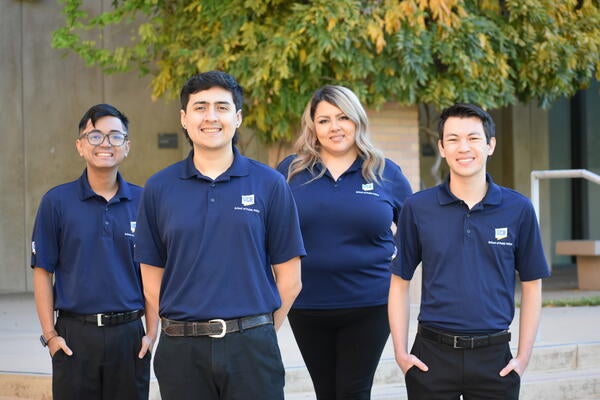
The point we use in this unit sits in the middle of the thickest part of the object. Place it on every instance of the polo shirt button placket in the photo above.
(211, 198)
(212, 205)
(106, 220)
(467, 223)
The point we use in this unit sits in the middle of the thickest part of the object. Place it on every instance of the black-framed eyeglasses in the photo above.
(96, 138)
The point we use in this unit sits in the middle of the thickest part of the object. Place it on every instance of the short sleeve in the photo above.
(149, 248)
(45, 245)
(530, 259)
(408, 245)
(400, 189)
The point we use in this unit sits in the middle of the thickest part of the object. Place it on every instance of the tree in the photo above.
(490, 52)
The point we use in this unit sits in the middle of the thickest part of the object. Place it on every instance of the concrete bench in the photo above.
(587, 253)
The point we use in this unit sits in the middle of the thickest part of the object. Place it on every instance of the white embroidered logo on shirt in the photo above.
(33, 247)
(501, 233)
(367, 188)
(248, 200)
(132, 226)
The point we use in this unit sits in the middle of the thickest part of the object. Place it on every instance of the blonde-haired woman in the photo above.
(348, 196)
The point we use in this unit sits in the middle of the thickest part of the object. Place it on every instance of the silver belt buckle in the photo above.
(223, 328)
(99, 319)
(457, 338)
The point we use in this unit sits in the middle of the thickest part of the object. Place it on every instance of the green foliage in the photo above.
(493, 53)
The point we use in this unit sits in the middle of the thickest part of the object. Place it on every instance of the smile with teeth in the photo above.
(465, 160)
(211, 130)
(104, 154)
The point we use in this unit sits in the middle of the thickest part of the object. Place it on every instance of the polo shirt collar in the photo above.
(356, 166)
(239, 167)
(493, 195)
(86, 192)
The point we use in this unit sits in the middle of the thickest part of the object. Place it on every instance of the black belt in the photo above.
(104, 319)
(464, 341)
(216, 328)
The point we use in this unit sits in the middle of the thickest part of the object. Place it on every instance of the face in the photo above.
(211, 119)
(335, 131)
(104, 155)
(464, 146)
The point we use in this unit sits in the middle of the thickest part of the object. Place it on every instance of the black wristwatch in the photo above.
(44, 341)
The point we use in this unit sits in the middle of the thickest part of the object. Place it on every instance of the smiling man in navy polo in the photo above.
(83, 237)
(472, 238)
(220, 245)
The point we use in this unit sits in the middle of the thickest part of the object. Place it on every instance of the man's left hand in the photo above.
(513, 365)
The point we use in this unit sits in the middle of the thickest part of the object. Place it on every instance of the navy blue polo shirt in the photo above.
(470, 257)
(217, 239)
(87, 243)
(346, 226)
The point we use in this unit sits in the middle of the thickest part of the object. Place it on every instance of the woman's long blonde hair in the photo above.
(307, 146)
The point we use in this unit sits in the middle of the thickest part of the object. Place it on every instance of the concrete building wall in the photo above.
(44, 94)
(560, 201)
(592, 134)
(523, 146)
(531, 152)
(12, 177)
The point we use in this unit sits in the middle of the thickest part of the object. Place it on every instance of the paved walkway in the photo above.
(21, 352)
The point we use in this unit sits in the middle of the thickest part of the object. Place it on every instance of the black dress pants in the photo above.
(239, 366)
(472, 373)
(341, 348)
(104, 364)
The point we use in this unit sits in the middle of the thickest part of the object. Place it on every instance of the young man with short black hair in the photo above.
(83, 238)
(472, 237)
(219, 244)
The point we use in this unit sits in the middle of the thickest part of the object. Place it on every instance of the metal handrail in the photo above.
(553, 174)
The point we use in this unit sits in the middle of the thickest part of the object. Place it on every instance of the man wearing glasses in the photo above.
(83, 237)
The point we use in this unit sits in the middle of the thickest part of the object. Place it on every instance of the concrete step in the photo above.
(554, 385)
(566, 357)
(16, 386)
(580, 384)
(561, 372)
